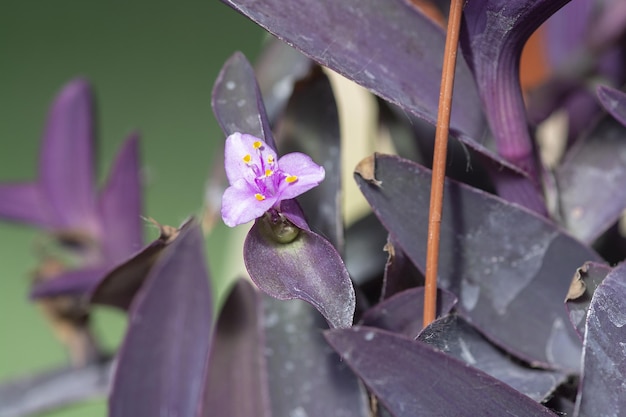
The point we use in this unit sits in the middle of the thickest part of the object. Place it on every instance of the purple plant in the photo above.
(531, 315)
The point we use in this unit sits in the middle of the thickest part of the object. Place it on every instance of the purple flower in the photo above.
(259, 181)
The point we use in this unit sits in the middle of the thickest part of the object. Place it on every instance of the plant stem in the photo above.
(439, 160)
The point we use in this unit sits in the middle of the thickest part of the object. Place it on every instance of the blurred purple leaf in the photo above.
(492, 38)
(584, 284)
(500, 270)
(601, 389)
(272, 354)
(565, 32)
(404, 312)
(455, 337)
(410, 378)
(598, 158)
(304, 266)
(310, 125)
(400, 273)
(277, 69)
(162, 359)
(379, 44)
(364, 255)
(237, 101)
(613, 101)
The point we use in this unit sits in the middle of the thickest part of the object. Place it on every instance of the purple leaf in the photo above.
(287, 262)
(404, 312)
(613, 101)
(601, 389)
(565, 31)
(310, 125)
(413, 379)
(379, 44)
(24, 202)
(73, 282)
(493, 35)
(162, 360)
(586, 209)
(236, 362)
(364, 255)
(272, 354)
(400, 273)
(584, 284)
(500, 260)
(120, 204)
(237, 101)
(457, 338)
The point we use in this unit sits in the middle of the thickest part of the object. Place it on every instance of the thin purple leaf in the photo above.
(286, 262)
(310, 125)
(236, 363)
(500, 260)
(162, 359)
(586, 209)
(272, 354)
(587, 278)
(73, 282)
(24, 202)
(237, 101)
(379, 44)
(601, 389)
(404, 312)
(493, 35)
(120, 204)
(410, 378)
(457, 338)
(67, 158)
(613, 101)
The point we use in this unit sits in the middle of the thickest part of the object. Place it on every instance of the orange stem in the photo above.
(439, 160)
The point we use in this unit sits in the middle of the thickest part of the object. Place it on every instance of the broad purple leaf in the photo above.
(272, 355)
(613, 101)
(287, 262)
(76, 282)
(236, 363)
(599, 158)
(277, 69)
(601, 389)
(310, 125)
(162, 360)
(493, 35)
(404, 312)
(237, 101)
(410, 378)
(383, 45)
(584, 284)
(502, 261)
(120, 205)
(457, 338)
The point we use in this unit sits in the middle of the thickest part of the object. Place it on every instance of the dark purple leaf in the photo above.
(584, 284)
(237, 101)
(310, 125)
(614, 102)
(236, 363)
(287, 262)
(411, 379)
(161, 362)
(601, 389)
(272, 355)
(120, 204)
(599, 158)
(365, 242)
(76, 282)
(493, 35)
(277, 69)
(380, 44)
(404, 312)
(457, 338)
(502, 261)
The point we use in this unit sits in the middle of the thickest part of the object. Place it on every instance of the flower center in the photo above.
(267, 174)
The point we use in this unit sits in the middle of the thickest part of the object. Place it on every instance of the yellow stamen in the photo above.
(269, 172)
(291, 178)
(259, 197)
(247, 158)
(257, 144)
(270, 159)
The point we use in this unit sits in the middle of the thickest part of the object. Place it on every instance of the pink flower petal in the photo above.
(239, 204)
(237, 146)
(309, 174)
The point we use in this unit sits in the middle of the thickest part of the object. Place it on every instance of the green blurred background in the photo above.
(152, 65)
